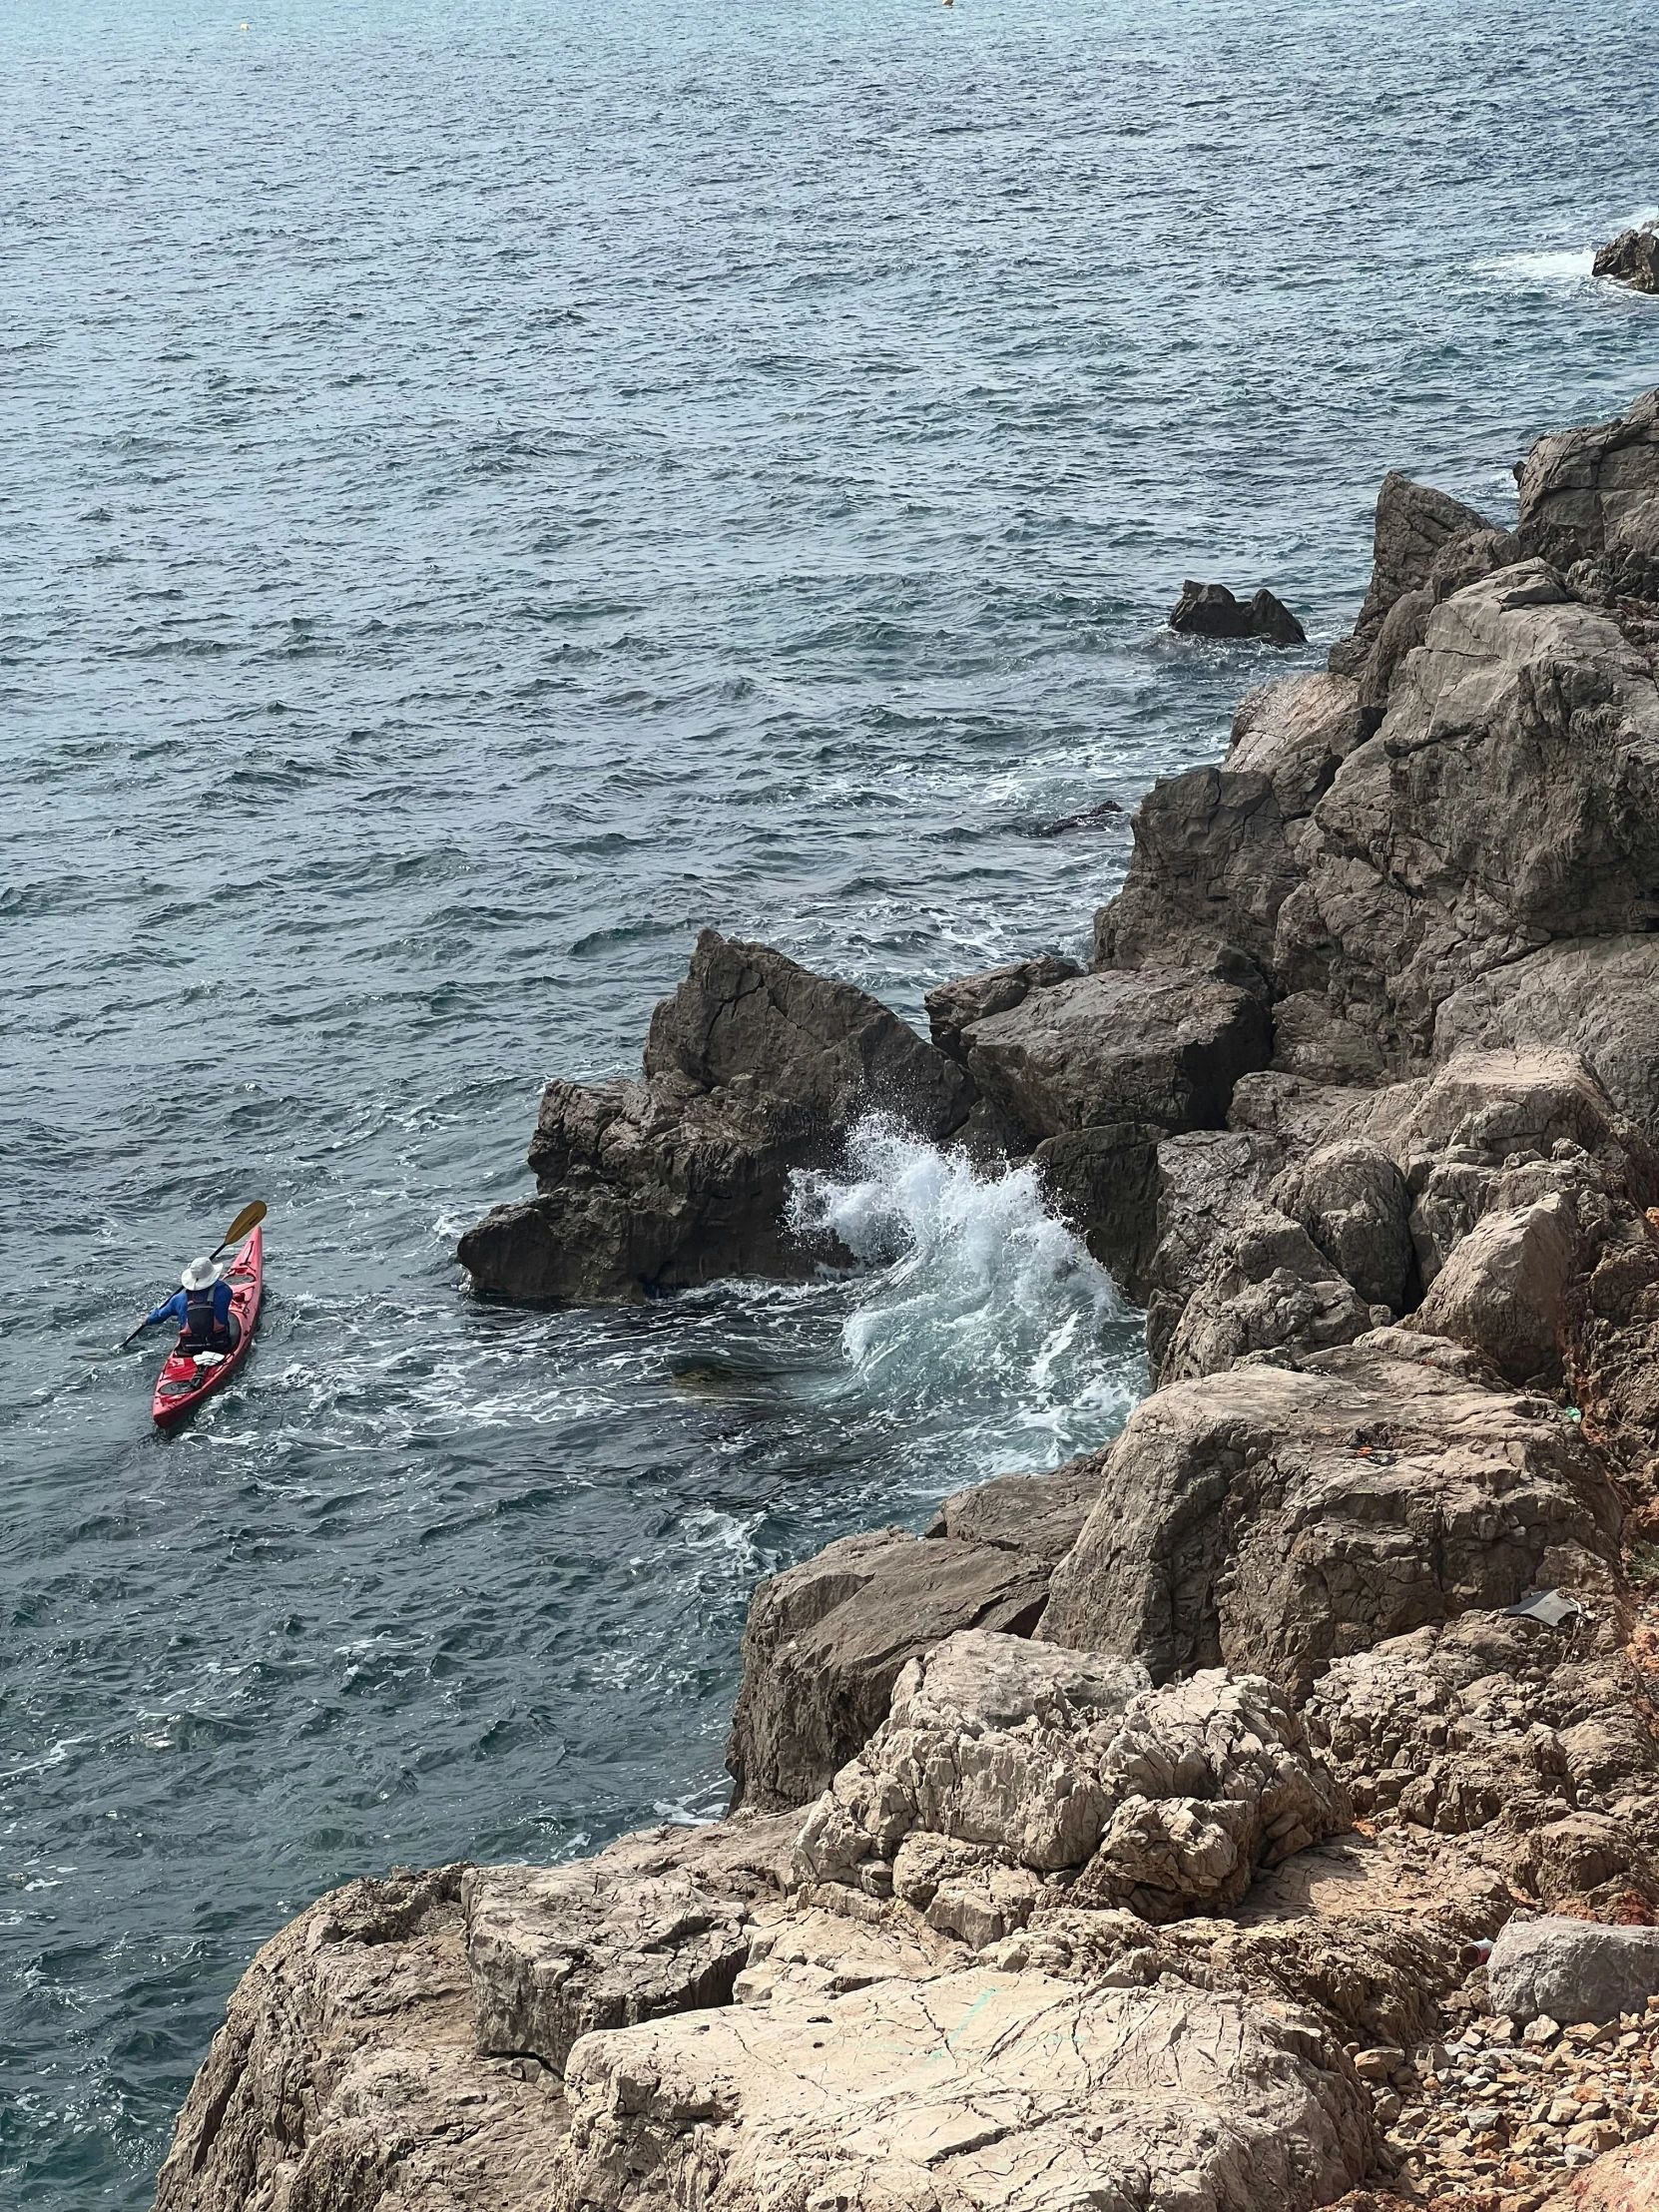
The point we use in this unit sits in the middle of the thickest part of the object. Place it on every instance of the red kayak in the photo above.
(189, 1377)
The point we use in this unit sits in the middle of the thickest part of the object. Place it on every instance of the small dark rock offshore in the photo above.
(1631, 258)
(1211, 611)
(1091, 817)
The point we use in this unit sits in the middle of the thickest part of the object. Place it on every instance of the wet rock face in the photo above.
(1631, 258)
(1211, 611)
(1288, 1517)
(755, 1068)
(972, 2089)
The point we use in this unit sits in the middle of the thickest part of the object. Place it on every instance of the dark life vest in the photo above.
(202, 1327)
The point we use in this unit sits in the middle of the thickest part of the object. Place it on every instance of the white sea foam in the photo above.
(976, 1292)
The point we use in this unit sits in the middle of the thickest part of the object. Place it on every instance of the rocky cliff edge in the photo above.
(1265, 1810)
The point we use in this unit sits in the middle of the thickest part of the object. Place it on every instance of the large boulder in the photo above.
(978, 2091)
(1631, 258)
(1503, 1289)
(1273, 1519)
(754, 1069)
(1596, 996)
(1211, 611)
(1572, 1970)
(1269, 1288)
(826, 1640)
(344, 2076)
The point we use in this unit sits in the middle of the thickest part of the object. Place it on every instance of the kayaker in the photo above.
(202, 1307)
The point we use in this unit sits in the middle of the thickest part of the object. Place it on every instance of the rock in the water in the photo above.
(754, 1069)
(1211, 611)
(345, 2078)
(971, 2090)
(662, 1922)
(1104, 817)
(825, 1641)
(1572, 1970)
(1271, 1519)
(1631, 258)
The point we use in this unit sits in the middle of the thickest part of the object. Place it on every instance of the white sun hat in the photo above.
(200, 1274)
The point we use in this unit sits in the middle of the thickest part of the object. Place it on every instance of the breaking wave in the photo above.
(976, 1294)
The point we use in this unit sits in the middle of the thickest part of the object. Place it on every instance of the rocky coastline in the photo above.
(1262, 1810)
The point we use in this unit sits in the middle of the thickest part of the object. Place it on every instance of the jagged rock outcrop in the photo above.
(345, 2077)
(1589, 503)
(1288, 1516)
(754, 1069)
(974, 2089)
(1631, 258)
(1047, 1763)
(1537, 1743)
(1361, 1093)
(825, 1641)
(1211, 611)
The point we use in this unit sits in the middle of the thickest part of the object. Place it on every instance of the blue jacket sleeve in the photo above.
(221, 1301)
(173, 1309)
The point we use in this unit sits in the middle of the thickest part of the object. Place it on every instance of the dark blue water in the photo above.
(488, 489)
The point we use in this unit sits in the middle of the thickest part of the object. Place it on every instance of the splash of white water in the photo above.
(976, 1294)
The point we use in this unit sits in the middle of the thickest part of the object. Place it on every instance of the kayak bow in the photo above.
(189, 1377)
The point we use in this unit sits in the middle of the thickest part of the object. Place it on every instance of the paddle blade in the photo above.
(250, 1218)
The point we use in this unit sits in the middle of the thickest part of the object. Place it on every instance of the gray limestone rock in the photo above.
(825, 1641)
(662, 1922)
(1503, 1289)
(1296, 733)
(1351, 1200)
(1269, 1289)
(754, 1069)
(1589, 498)
(1273, 1519)
(979, 2090)
(344, 2078)
(1596, 996)
(953, 1008)
(1572, 1970)
(1040, 1515)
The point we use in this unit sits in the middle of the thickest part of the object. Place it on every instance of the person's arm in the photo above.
(173, 1309)
(222, 1304)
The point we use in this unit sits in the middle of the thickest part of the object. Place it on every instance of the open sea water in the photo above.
(488, 489)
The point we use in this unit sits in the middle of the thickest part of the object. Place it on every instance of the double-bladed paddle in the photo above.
(250, 1218)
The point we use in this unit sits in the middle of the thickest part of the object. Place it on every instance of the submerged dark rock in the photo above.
(1631, 258)
(1091, 817)
(1211, 611)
